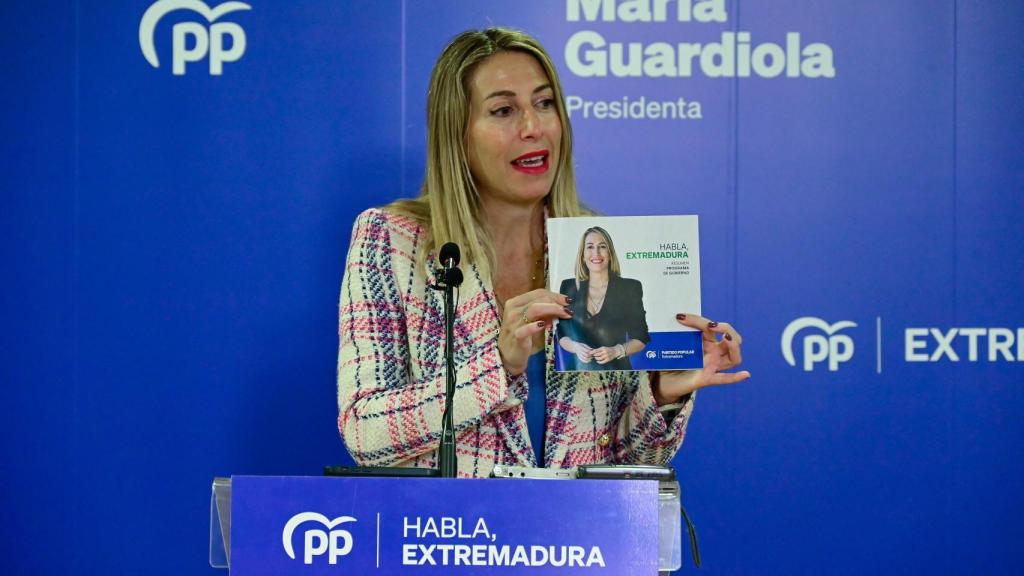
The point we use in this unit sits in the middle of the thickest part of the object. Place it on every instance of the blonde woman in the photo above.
(609, 323)
(499, 159)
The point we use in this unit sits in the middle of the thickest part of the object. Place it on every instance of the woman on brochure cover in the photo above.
(608, 322)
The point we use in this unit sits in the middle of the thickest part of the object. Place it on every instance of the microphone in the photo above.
(450, 255)
(449, 258)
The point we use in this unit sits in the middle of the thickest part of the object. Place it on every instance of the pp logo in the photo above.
(830, 346)
(651, 354)
(202, 42)
(316, 542)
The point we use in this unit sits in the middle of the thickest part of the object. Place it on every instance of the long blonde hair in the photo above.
(449, 201)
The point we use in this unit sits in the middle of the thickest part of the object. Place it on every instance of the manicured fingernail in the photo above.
(680, 316)
(728, 336)
(568, 300)
(712, 324)
(540, 323)
(567, 310)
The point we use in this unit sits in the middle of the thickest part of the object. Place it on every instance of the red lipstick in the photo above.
(535, 162)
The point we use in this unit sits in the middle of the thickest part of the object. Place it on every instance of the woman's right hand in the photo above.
(526, 316)
(583, 352)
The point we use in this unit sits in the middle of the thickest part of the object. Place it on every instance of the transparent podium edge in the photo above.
(220, 523)
(670, 547)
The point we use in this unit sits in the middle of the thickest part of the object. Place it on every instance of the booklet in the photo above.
(627, 277)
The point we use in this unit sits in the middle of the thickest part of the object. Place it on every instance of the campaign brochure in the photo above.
(628, 278)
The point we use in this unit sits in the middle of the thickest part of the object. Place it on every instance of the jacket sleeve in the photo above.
(634, 315)
(387, 417)
(568, 327)
(647, 433)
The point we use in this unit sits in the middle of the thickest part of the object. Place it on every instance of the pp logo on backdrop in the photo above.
(316, 542)
(193, 41)
(829, 346)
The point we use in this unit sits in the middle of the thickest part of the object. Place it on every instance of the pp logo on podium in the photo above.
(334, 542)
(830, 347)
(193, 41)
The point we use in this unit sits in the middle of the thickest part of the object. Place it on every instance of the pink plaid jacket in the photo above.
(391, 374)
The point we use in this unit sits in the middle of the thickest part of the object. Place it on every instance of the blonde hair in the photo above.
(449, 201)
(582, 272)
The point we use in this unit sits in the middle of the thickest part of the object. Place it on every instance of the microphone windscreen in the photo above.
(454, 278)
(450, 251)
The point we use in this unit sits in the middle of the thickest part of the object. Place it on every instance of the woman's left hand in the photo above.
(721, 352)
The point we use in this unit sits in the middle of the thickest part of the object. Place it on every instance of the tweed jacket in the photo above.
(391, 374)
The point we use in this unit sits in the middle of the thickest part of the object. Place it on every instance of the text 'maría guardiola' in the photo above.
(734, 54)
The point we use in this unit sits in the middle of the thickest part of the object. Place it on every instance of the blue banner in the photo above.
(670, 351)
(180, 183)
(293, 525)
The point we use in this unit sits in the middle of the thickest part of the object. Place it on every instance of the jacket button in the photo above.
(604, 440)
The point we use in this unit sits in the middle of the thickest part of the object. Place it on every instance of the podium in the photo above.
(285, 525)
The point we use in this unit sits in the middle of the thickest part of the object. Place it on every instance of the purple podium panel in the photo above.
(317, 525)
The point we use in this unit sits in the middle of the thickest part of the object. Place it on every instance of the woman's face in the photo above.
(512, 142)
(595, 252)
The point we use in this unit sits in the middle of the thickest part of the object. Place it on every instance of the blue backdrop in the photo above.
(174, 243)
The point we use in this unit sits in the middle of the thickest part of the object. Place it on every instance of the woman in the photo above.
(499, 159)
(609, 323)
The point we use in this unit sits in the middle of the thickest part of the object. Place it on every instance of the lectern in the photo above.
(283, 525)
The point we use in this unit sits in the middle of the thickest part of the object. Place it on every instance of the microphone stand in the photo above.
(447, 459)
(451, 278)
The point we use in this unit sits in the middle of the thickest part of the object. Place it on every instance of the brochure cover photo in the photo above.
(628, 277)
